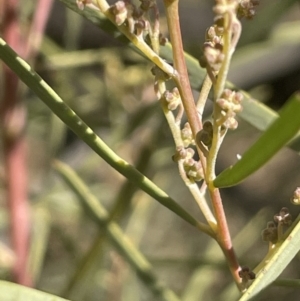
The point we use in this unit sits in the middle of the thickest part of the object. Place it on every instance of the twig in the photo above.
(69, 117)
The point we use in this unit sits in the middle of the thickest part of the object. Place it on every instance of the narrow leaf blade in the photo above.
(275, 262)
(276, 136)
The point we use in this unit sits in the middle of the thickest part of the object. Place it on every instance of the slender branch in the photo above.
(206, 87)
(37, 28)
(191, 185)
(69, 117)
(174, 124)
(199, 198)
(227, 51)
(182, 80)
(13, 119)
(223, 236)
(230, 37)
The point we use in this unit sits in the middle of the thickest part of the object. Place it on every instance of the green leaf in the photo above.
(275, 262)
(276, 136)
(14, 292)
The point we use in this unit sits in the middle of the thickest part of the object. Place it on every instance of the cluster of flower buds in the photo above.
(246, 8)
(230, 104)
(125, 11)
(192, 168)
(162, 40)
(273, 232)
(160, 74)
(296, 197)
(172, 99)
(213, 56)
(270, 234)
(187, 135)
(246, 275)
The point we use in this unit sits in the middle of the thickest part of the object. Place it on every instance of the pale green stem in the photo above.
(206, 87)
(227, 51)
(69, 117)
(223, 234)
(191, 185)
(199, 197)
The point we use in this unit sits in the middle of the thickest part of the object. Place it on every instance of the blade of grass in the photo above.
(14, 292)
(270, 142)
(69, 117)
(114, 232)
(275, 262)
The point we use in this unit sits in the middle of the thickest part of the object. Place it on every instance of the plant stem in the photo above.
(223, 235)
(205, 89)
(184, 87)
(199, 198)
(182, 78)
(13, 119)
(69, 117)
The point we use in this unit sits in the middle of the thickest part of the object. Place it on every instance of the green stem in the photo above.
(222, 74)
(191, 185)
(223, 234)
(69, 117)
(206, 86)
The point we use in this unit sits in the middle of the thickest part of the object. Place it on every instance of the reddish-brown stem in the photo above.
(13, 118)
(223, 235)
(15, 157)
(13, 122)
(182, 79)
(183, 83)
(37, 28)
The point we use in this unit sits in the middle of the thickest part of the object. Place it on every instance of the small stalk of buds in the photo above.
(274, 231)
(247, 276)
